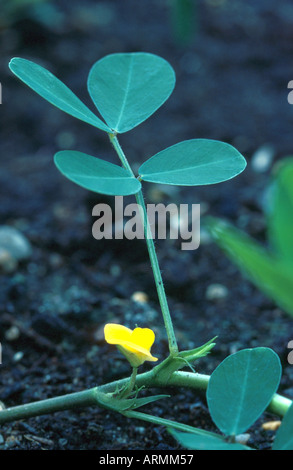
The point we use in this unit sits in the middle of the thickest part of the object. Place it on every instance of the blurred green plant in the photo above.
(269, 268)
(127, 89)
(184, 19)
(44, 12)
(13, 10)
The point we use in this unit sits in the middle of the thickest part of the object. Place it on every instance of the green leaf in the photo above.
(192, 163)
(205, 441)
(128, 88)
(269, 274)
(95, 174)
(53, 90)
(182, 359)
(202, 351)
(241, 388)
(168, 423)
(284, 436)
(280, 217)
(125, 405)
(138, 402)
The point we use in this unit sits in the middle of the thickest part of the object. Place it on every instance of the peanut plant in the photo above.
(127, 88)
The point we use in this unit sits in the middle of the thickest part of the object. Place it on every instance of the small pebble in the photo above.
(18, 356)
(262, 159)
(271, 425)
(8, 264)
(12, 333)
(242, 438)
(13, 241)
(140, 297)
(216, 292)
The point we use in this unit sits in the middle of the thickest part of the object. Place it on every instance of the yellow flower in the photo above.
(134, 344)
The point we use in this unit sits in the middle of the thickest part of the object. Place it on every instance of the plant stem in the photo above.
(173, 348)
(129, 387)
(51, 405)
(279, 405)
(93, 397)
(120, 153)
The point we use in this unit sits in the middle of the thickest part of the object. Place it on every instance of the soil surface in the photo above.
(232, 78)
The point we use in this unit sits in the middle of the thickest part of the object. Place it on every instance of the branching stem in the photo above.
(94, 397)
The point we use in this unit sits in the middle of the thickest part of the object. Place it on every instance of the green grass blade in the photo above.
(280, 216)
(270, 274)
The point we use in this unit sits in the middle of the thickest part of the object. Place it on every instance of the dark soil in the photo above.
(232, 82)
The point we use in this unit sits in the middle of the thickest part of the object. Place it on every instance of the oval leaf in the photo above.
(53, 90)
(193, 162)
(95, 174)
(128, 88)
(284, 436)
(241, 388)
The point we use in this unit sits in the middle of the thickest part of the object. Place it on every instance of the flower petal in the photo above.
(134, 344)
(136, 358)
(115, 333)
(144, 337)
(136, 349)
